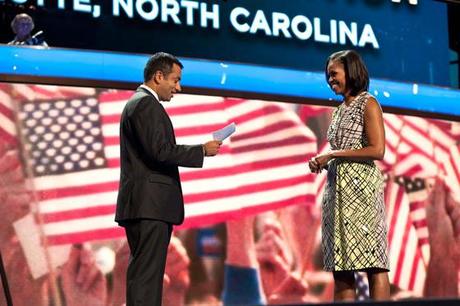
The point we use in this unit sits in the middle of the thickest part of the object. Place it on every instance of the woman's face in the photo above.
(337, 79)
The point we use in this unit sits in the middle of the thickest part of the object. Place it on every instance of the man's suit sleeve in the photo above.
(154, 131)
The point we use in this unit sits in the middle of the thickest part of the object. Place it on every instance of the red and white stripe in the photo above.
(7, 118)
(452, 172)
(309, 111)
(455, 129)
(410, 151)
(263, 166)
(407, 268)
(417, 211)
(23, 92)
(447, 154)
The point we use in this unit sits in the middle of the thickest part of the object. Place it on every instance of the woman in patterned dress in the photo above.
(353, 213)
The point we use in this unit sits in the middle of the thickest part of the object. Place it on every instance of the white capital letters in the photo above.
(280, 24)
(82, 5)
(147, 15)
(127, 7)
(296, 21)
(368, 36)
(170, 8)
(189, 7)
(344, 32)
(239, 11)
(212, 15)
(260, 23)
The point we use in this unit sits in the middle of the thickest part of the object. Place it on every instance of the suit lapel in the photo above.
(141, 89)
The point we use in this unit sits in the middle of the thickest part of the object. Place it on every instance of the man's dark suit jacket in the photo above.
(150, 186)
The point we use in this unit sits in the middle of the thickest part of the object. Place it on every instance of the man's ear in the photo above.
(158, 76)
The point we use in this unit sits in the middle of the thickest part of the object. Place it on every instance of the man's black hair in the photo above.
(160, 61)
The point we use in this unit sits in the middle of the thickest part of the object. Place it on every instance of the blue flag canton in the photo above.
(362, 286)
(414, 184)
(62, 136)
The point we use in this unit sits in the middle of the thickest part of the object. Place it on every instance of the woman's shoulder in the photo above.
(371, 100)
(368, 96)
(368, 100)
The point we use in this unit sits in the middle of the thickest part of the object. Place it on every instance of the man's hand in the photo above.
(211, 148)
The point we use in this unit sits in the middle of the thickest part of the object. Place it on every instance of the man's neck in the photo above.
(151, 90)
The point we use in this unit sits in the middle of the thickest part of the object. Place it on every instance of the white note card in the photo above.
(224, 132)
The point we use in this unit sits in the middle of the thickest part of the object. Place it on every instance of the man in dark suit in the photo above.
(150, 198)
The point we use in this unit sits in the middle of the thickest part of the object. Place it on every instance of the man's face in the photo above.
(170, 84)
(23, 27)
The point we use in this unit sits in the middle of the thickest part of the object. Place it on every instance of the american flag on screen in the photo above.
(11, 94)
(263, 166)
(417, 194)
(407, 269)
(409, 149)
(362, 286)
(64, 143)
(417, 149)
(72, 144)
(62, 136)
(447, 155)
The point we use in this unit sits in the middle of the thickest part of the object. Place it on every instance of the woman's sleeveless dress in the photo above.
(353, 212)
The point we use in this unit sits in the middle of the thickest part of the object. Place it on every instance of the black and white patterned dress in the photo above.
(353, 213)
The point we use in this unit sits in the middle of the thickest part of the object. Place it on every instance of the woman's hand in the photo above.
(319, 162)
(313, 165)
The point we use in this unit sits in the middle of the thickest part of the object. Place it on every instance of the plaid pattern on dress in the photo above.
(353, 228)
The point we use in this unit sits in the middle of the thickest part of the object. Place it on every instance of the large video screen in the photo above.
(257, 200)
(401, 40)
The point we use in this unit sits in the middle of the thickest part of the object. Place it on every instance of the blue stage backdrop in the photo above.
(124, 70)
(399, 41)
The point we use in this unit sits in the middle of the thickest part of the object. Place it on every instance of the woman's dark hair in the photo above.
(356, 74)
(160, 61)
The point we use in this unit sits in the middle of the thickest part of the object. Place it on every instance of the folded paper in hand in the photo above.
(223, 133)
